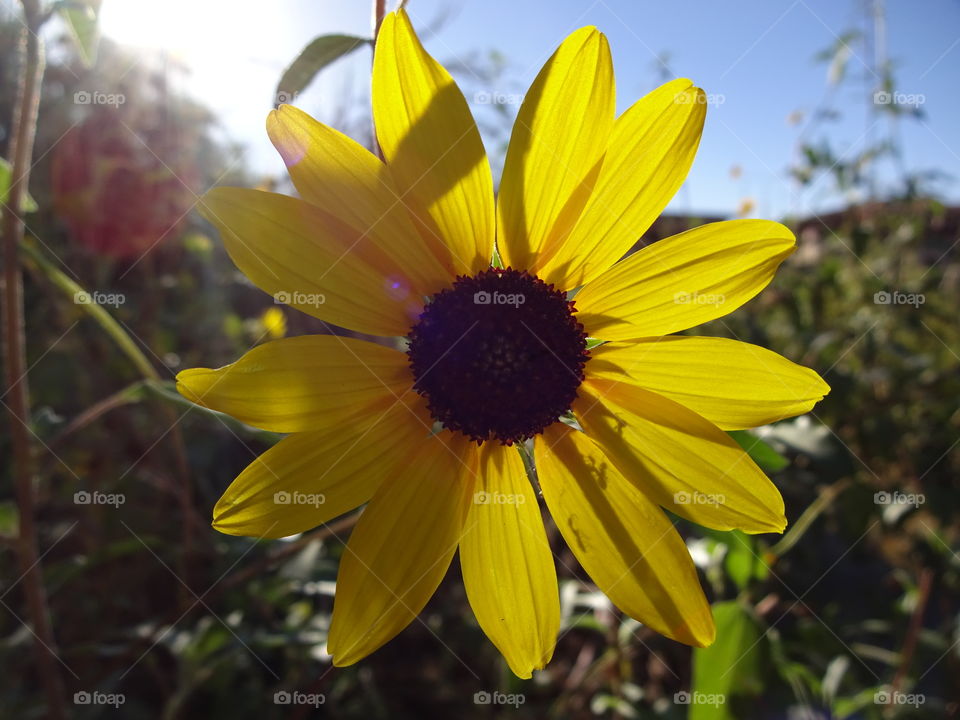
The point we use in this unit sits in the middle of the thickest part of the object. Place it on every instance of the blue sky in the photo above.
(754, 56)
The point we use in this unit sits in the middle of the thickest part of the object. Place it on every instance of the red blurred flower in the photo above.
(123, 181)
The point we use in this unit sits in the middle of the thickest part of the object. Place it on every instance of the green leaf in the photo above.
(744, 560)
(731, 666)
(315, 57)
(6, 177)
(82, 17)
(763, 455)
(739, 561)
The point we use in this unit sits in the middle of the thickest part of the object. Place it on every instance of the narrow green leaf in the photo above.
(731, 666)
(315, 57)
(81, 298)
(763, 455)
(82, 17)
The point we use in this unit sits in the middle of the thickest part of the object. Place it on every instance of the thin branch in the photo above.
(24, 128)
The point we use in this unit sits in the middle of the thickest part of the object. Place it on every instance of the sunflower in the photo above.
(627, 419)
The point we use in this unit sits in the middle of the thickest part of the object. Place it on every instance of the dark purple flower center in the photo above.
(498, 355)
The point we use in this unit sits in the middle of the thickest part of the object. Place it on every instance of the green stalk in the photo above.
(803, 523)
(105, 320)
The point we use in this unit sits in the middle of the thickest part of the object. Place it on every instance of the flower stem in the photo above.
(24, 128)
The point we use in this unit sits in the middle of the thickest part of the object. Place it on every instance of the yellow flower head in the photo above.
(405, 247)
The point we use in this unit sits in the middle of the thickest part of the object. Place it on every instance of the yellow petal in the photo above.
(684, 280)
(310, 478)
(433, 148)
(401, 547)
(622, 539)
(310, 260)
(733, 384)
(344, 179)
(301, 383)
(556, 149)
(507, 564)
(680, 460)
(651, 149)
